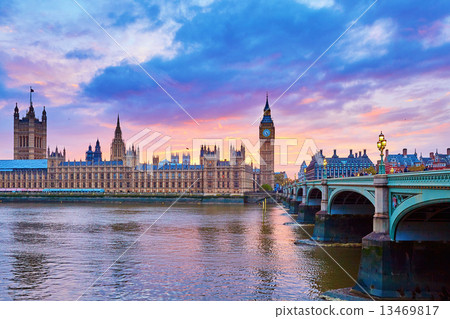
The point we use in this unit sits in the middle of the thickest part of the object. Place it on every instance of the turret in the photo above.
(97, 146)
(30, 113)
(44, 115)
(16, 112)
(56, 157)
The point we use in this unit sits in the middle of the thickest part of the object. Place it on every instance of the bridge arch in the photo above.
(314, 196)
(351, 201)
(421, 218)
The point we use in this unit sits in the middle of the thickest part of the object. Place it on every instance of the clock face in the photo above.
(266, 133)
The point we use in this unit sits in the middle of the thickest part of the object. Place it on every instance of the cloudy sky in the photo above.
(217, 59)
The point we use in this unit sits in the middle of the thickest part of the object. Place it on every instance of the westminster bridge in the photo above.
(402, 220)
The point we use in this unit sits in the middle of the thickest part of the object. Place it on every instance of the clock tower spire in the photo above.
(267, 146)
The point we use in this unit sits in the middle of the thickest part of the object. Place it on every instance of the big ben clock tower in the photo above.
(267, 147)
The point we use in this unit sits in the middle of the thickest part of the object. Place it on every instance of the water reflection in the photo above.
(333, 266)
(30, 272)
(56, 252)
(267, 275)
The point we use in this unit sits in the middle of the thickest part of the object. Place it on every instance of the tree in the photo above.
(416, 168)
(369, 170)
(266, 187)
(279, 179)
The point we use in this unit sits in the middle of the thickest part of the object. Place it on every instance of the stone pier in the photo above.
(341, 228)
(293, 206)
(307, 213)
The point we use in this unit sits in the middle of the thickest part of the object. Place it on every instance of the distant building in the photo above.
(436, 160)
(301, 172)
(337, 166)
(124, 173)
(395, 163)
(398, 163)
(30, 134)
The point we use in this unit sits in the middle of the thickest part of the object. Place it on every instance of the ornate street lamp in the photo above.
(381, 144)
(325, 168)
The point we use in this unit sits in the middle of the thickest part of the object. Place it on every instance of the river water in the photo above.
(192, 252)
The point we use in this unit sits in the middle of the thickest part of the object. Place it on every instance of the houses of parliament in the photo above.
(36, 168)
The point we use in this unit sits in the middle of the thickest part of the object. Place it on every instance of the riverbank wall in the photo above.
(121, 198)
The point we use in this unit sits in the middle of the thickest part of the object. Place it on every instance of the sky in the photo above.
(89, 61)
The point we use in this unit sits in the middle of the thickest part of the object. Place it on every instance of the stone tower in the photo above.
(267, 147)
(30, 134)
(118, 145)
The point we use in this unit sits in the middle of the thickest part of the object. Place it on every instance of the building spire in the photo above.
(31, 101)
(266, 107)
(16, 112)
(266, 115)
(118, 132)
(30, 113)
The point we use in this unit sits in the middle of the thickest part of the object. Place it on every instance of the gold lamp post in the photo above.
(325, 168)
(381, 144)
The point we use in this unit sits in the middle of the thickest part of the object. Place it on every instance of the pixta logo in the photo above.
(147, 142)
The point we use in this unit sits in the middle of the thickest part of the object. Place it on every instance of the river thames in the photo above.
(193, 252)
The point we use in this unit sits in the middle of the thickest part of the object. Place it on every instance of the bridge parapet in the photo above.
(438, 178)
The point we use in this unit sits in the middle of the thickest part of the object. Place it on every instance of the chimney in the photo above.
(351, 153)
(448, 151)
(432, 155)
(359, 153)
(387, 153)
(405, 152)
(365, 154)
(321, 152)
(334, 152)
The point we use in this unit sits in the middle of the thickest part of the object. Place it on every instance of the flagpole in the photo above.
(31, 90)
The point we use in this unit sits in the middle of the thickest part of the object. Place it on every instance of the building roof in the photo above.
(350, 160)
(267, 118)
(400, 159)
(10, 165)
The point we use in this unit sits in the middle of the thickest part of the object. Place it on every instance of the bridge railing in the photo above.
(366, 179)
(428, 178)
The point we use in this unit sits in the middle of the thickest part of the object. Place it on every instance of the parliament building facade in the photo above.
(36, 168)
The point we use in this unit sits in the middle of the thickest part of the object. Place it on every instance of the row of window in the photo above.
(98, 184)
